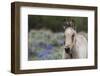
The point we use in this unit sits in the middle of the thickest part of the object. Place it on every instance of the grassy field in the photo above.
(45, 45)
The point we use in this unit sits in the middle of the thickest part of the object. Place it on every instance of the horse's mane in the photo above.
(84, 34)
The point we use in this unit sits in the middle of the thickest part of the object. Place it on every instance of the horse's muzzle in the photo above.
(67, 50)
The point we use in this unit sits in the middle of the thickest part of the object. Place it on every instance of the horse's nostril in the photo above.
(67, 50)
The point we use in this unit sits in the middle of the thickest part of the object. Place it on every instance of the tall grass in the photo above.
(45, 45)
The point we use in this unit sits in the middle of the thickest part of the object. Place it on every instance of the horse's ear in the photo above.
(66, 24)
(64, 27)
(73, 24)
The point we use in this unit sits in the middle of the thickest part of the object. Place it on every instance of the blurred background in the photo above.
(46, 35)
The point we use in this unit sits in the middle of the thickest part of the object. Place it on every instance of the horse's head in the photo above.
(69, 36)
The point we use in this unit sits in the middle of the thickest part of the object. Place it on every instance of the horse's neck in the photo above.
(80, 46)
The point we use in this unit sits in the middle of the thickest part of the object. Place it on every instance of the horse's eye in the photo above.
(73, 37)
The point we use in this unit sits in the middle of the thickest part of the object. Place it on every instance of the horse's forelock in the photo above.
(69, 23)
(69, 30)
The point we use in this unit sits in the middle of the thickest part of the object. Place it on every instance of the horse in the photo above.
(75, 43)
